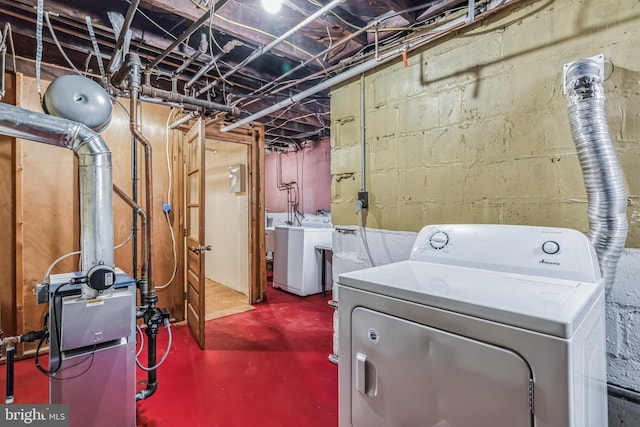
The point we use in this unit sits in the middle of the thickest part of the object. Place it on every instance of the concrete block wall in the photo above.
(623, 323)
(475, 130)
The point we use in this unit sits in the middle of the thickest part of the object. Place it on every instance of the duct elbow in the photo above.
(88, 142)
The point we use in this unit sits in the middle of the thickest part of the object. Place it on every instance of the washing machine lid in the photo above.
(547, 305)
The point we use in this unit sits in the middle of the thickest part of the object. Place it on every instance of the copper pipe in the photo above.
(143, 216)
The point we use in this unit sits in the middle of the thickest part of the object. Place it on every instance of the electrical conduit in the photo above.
(406, 46)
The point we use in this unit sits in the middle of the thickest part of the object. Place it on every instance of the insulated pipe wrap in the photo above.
(607, 198)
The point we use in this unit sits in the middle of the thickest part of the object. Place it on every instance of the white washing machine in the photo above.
(484, 326)
(297, 264)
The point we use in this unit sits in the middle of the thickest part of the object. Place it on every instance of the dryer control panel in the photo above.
(541, 251)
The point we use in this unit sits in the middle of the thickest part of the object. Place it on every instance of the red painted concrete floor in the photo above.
(267, 367)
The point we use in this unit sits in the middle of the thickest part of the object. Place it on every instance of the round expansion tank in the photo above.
(78, 99)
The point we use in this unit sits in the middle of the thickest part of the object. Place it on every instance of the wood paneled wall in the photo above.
(39, 208)
(7, 219)
(39, 197)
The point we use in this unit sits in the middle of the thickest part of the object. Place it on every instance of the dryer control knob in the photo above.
(550, 247)
(439, 240)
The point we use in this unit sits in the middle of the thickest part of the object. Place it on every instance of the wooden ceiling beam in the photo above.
(345, 15)
(398, 5)
(314, 115)
(438, 7)
(290, 126)
(331, 20)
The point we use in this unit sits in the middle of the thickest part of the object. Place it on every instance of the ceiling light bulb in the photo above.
(272, 6)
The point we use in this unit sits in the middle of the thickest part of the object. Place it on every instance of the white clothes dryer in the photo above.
(484, 326)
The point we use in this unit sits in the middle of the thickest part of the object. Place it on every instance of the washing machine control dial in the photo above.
(439, 240)
(550, 247)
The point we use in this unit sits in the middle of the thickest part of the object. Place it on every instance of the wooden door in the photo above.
(252, 136)
(195, 215)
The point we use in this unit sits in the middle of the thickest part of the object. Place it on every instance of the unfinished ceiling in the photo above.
(203, 54)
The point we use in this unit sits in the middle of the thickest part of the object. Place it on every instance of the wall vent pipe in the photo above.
(94, 158)
(607, 198)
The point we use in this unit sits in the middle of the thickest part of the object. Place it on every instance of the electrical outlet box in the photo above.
(364, 197)
(166, 207)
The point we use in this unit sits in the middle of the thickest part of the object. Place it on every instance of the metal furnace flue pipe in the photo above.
(94, 169)
(607, 198)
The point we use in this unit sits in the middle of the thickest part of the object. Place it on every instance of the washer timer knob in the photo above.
(550, 247)
(439, 240)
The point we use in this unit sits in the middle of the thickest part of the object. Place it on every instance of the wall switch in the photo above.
(363, 196)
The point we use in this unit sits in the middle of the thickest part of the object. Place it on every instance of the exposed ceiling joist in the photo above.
(272, 59)
(331, 21)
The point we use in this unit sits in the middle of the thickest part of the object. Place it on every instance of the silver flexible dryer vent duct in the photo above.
(607, 198)
(94, 157)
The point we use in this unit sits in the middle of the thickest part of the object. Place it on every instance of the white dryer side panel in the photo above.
(407, 374)
(281, 257)
(303, 267)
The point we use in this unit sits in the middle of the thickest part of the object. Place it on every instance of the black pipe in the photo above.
(134, 197)
(152, 379)
(131, 11)
(153, 318)
(137, 210)
(176, 97)
(193, 28)
(119, 76)
(147, 392)
(3, 51)
(10, 351)
(146, 283)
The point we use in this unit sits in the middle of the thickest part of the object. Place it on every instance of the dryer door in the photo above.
(408, 374)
